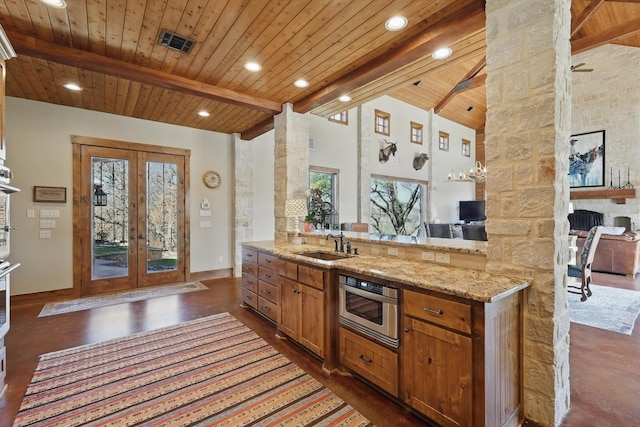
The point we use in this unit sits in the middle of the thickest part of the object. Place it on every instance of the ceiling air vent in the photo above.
(176, 42)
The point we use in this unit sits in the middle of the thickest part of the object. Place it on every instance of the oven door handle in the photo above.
(369, 295)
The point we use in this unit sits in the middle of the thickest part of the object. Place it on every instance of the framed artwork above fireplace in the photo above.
(586, 159)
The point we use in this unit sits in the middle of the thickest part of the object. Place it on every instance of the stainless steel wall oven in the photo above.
(370, 308)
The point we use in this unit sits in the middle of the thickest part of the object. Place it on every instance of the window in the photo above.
(443, 142)
(342, 118)
(322, 198)
(466, 148)
(416, 133)
(383, 123)
(396, 206)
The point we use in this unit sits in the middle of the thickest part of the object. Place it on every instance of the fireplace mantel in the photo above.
(619, 196)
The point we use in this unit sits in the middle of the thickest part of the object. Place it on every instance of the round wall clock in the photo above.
(212, 179)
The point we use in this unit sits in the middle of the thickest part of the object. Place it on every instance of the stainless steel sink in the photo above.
(325, 256)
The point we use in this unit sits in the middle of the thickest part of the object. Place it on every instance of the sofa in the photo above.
(617, 254)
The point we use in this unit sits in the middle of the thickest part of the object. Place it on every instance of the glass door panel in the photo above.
(162, 217)
(110, 218)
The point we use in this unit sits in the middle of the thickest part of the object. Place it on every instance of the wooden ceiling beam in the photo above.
(469, 81)
(257, 130)
(462, 86)
(467, 21)
(579, 21)
(610, 35)
(30, 46)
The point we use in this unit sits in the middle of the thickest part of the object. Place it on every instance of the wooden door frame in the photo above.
(77, 142)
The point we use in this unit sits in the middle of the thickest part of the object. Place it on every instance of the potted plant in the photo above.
(308, 223)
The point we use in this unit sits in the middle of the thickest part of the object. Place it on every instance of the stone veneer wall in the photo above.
(242, 198)
(527, 127)
(291, 178)
(609, 98)
(365, 119)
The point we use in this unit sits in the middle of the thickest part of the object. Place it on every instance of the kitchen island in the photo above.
(454, 351)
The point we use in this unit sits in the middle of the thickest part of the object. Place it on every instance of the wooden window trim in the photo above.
(466, 152)
(342, 122)
(443, 141)
(383, 116)
(419, 127)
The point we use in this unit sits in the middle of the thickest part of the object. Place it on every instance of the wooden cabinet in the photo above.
(259, 283)
(302, 306)
(437, 370)
(460, 359)
(377, 364)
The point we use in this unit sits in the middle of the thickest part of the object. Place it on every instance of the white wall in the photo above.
(336, 147)
(40, 153)
(609, 98)
(445, 195)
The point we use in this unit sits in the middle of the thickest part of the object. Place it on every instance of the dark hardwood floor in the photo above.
(604, 380)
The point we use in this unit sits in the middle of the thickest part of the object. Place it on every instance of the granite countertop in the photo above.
(462, 282)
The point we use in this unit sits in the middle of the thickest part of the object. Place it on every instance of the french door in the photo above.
(132, 222)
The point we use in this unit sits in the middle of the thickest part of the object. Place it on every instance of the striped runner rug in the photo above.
(212, 371)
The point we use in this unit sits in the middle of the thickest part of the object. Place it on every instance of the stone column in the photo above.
(242, 198)
(291, 179)
(527, 129)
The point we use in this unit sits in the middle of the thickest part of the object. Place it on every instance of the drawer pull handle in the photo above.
(365, 359)
(266, 308)
(266, 291)
(433, 311)
(250, 255)
(268, 261)
(268, 276)
(248, 296)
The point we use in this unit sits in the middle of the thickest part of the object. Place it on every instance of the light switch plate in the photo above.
(45, 234)
(47, 223)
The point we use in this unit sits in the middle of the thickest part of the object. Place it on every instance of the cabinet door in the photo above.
(312, 315)
(437, 373)
(289, 307)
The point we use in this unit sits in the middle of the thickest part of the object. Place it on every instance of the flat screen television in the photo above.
(472, 210)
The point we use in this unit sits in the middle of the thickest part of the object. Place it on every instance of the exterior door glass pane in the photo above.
(110, 218)
(162, 217)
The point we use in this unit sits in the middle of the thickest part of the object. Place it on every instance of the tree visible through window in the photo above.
(322, 206)
(395, 206)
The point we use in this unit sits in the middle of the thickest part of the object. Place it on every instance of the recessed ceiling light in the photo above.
(60, 4)
(301, 83)
(344, 98)
(72, 86)
(442, 53)
(203, 113)
(396, 23)
(253, 66)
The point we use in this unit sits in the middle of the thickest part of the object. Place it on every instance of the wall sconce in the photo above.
(99, 196)
(296, 208)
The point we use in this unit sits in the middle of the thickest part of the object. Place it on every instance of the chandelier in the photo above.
(477, 174)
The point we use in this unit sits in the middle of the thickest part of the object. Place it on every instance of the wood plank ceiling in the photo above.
(110, 48)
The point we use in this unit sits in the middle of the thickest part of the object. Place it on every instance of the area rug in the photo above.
(212, 371)
(86, 303)
(608, 308)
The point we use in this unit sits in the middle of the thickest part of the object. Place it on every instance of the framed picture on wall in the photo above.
(586, 159)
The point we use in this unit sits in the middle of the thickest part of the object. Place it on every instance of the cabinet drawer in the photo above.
(267, 275)
(268, 260)
(268, 308)
(249, 268)
(370, 360)
(452, 314)
(249, 298)
(249, 255)
(250, 283)
(311, 276)
(268, 291)
(288, 269)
